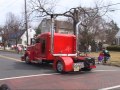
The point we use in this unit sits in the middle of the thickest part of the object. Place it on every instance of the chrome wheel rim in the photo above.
(60, 66)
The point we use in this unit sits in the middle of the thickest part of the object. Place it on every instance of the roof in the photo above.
(60, 24)
(118, 34)
(17, 34)
(56, 34)
(64, 25)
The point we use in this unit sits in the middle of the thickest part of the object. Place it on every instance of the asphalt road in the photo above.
(20, 76)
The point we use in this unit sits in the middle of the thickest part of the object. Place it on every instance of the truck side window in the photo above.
(33, 41)
(38, 40)
(43, 46)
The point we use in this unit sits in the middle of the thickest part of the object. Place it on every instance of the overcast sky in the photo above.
(17, 7)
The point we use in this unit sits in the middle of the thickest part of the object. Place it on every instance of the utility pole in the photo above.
(26, 22)
(75, 20)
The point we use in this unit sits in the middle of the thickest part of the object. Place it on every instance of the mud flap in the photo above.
(89, 63)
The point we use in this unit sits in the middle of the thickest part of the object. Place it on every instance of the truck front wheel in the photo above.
(27, 60)
(59, 67)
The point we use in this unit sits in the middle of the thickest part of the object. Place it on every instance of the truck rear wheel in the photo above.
(27, 60)
(59, 67)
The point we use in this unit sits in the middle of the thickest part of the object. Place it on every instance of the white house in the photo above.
(118, 38)
(31, 33)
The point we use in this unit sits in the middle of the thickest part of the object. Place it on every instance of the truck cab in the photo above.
(62, 53)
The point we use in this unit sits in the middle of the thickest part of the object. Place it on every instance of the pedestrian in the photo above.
(89, 48)
(100, 57)
(25, 48)
(106, 55)
(19, 48)
(97, 47)
(85, 48)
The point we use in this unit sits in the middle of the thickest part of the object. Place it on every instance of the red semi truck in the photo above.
(59, 49)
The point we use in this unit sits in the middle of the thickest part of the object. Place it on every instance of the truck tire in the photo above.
(59, 67)
(27, 60)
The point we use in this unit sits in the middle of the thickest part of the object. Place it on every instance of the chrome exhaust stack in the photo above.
(77, 32)
(52, 34)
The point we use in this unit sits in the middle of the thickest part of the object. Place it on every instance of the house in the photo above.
(21, 36)
(31, 34)
(117, 36)
(59, 26)
(15, 37)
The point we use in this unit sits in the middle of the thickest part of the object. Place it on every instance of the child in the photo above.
(100, 57)
(106, 55)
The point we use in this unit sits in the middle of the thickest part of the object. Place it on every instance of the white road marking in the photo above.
(29, 76)
(108, 88)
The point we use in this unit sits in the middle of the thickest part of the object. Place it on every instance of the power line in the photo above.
(108, 5)
(113, 4)
(114, 9)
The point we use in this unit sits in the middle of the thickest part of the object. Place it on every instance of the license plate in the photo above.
(91, 64)
(88, 58)
(78, 66)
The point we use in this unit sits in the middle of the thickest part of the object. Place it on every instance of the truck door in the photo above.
(43, 47)
(38, 48)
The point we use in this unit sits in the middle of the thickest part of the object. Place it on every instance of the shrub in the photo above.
(113, 48)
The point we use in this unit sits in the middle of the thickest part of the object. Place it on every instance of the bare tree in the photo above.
(111, 31)
(92, 22)
(4, 35)
(12, 26)
(42, 8)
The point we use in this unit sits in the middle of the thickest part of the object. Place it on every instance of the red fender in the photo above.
(30, 55)
(67, 61)
(24, 56)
